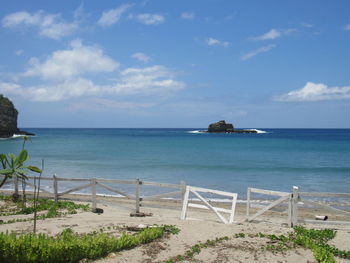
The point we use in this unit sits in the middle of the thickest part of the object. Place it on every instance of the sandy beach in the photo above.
(201, 225)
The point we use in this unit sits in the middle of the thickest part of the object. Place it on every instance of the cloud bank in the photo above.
(67, 74)
(316, 92)
(48, 25)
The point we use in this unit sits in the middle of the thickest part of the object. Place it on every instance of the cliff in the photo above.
(8, 119)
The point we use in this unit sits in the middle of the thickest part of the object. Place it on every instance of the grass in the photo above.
(70, 247)
(315, 240)
(53, 209)
(196, 249)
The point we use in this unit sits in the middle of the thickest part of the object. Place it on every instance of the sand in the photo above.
(207, 226)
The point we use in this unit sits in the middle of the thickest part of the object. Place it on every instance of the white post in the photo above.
(183, 191)
(290, 210)
(55, 188)
(93, 191)
(185, 203)
(248, 203)
(137, 195)
(295, 206)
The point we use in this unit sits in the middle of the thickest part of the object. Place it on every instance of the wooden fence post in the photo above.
(93, 192)
(55, 188)
(248, 204)
(15, 181)
(183, 191)
(290, 210)
(137, 195)
(295, 206)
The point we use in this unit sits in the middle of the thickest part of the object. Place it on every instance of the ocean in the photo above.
(275, 159)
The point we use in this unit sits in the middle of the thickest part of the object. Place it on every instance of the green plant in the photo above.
(53, 209)
(69, 247)
(196, 249)
(13, 165)
(313, 239)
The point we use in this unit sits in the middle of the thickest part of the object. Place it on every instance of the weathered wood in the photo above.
(233, 209)
(205, 190)
(295, 199)
(248, 203)
(93, 194)
(55, 188)
(290, 211)
(318, 194)
(219, 209)
(41, 178)
(115, 181)
(116, 191)
(137, 195)
(183, 191)
(326, 207)
(268, 192)
(72, 179)
(75, 189)
(161, 184)
(260, 212)
(185, 203)
(209, 206)
(161, 195)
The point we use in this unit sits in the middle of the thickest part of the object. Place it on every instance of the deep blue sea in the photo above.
(313, 159)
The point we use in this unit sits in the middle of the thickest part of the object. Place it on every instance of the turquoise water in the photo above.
(313, 159)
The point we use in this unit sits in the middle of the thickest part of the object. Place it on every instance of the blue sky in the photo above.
(162, 63)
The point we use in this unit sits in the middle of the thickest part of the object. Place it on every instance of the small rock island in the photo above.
(8, 119)
(223, 127)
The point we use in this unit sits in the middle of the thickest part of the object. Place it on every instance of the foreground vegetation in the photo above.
(49, 208)
(70, 247)
(313, 239)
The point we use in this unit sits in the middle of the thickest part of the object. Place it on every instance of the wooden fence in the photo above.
(93, 183)
(296, 200)
(283, 197)
(302, 198)
(207, 205)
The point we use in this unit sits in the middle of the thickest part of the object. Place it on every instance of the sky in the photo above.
(177, 64)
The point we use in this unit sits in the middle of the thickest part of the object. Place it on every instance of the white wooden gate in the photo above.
(207, 205)
(283, 196)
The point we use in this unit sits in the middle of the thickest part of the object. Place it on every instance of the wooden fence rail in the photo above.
(94, 183)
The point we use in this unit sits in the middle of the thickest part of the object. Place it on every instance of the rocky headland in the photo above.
(8, 119)
(223, 127)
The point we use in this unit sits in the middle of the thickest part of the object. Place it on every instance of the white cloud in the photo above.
(156, 79)
(316, 92)
(347, 27)
(215, 42)
(307, 25)
(150, 19)
(75, 61)
(274, 34)
(141, 57)
(76, 72)
(7, 87)
(188, 15)
(101, 103)
(112, 16)
(257, 51)
(19, 52)
(49, 25)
